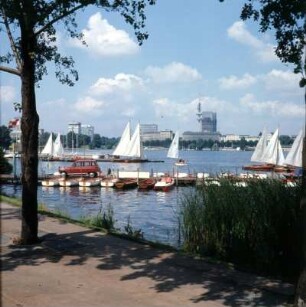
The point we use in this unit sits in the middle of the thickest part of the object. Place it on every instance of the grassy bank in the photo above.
(255, 227)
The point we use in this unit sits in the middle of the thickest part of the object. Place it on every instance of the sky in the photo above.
(197, 51)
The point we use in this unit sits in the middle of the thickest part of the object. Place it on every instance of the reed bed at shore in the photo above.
(255, 227)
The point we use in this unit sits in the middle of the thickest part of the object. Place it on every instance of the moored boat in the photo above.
(146, 184)
(165, 184)
(108, 182)
(89, 182)
(68, 182)
(126, 183)
(50, 183)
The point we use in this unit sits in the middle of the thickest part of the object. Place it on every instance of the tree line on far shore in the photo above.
(73, 140)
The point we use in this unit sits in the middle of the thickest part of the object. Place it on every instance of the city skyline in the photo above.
(205, 55)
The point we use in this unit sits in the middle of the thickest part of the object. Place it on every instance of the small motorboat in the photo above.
(89, 182)
(165, 184)
(146, 184)
(68, 182)
(50, 183)
(126, 183)
(108, 182)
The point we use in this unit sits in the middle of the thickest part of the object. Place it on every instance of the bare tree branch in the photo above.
(41, 30)
(10, 70)
(12, 42)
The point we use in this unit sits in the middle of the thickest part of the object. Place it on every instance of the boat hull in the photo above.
(126, 184)
(165, 184)
(146, 184)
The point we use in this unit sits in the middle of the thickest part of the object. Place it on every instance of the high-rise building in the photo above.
(207, 120)
(74, 127)
(88, 130)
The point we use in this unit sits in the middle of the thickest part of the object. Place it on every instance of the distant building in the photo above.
(207, 120)
(195, 136)
(208, 127)
(74, 127)
(88, 130)
(148, 128)
(157, 136)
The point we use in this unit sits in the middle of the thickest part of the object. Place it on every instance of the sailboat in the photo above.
(260, 148)
(272, 155)
(53, 149)
(173, 151)
(135, 148)
(294, 156)
(58, 149)
(130, 148)
(48, 149)
(124, 142)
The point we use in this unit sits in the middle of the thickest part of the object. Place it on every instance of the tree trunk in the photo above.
(29, 129)
(300, 295)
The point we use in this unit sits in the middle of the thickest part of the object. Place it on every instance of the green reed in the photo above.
(104, 219)
(254, 226)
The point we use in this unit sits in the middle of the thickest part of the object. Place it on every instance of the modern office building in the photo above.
(208, 127)
(88, 130)
(74, 127)
(207, 120)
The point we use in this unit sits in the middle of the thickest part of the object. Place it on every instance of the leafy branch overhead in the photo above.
(43, 17)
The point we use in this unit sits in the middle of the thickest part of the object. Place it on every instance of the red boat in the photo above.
(146, 184)
(259, 167)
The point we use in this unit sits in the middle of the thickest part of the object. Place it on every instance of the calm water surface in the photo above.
(155, 213)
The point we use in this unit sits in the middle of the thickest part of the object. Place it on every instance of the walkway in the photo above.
(76, 266)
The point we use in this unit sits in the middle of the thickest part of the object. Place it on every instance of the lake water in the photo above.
(155, 213)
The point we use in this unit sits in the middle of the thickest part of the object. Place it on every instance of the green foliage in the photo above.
(5, 139)
(254, 226)
(103, 220)
(131, 232)
(5, 166)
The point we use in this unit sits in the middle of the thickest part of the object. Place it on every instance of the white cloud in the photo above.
(264, 51)
(121, 82)
(281, 80)
(8, 93)
(104, 39)
(90, 105)
(186, 112)
(173, 72)
(273, 107)
(233, 82)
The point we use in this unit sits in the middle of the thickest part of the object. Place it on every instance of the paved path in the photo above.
(76, 266)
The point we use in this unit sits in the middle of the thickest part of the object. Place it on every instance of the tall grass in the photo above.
(254, 226)
(104, 219)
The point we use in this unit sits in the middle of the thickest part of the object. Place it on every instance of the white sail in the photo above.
(294, 156)
(173, 151)
(135, 148)
(124, 142)
(58, 149)
(274, 152)
(260, 148)
(48, 149)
